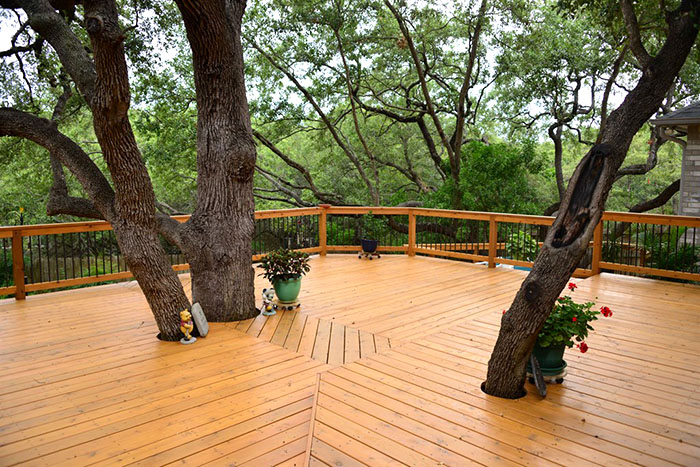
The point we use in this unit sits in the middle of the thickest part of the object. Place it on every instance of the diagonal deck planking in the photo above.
(632, 399)
(327, 341)
(85, 382)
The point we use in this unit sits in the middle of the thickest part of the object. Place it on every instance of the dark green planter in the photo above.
(551, 359)
(287, 290)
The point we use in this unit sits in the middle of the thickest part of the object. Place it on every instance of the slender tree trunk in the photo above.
(582, 207)
(217, 239)
(148, 263)
(555, 135)
(134, 204)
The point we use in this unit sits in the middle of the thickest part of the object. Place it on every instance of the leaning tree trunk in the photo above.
(583, 205)
(134, 204)
(218, 237)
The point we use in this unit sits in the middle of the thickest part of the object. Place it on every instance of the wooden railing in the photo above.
(43, 257)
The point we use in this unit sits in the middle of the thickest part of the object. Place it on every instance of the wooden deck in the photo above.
(382, 365)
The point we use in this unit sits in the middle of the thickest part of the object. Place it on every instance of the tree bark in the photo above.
(217, 239)
(134, 204)
(583, 204)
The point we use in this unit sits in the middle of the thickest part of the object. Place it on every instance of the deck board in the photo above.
(401, 345)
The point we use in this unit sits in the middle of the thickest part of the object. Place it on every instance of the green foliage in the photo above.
(284, 264)
(497, 178)
(537, 52)
(669, 250)
(6, 279)
(568, 322)
(371, 226)
(521, 246)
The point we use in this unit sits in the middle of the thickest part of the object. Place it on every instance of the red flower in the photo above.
(504, 312)
(572, 286)
(606, 311)
(573, 319)
(583, 347)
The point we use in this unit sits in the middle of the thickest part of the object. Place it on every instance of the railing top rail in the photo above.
(365, 209)
(87, 226)
(660, 219)
(96, 226)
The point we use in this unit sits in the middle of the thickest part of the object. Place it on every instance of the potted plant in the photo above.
(284, 268)
(567, 326)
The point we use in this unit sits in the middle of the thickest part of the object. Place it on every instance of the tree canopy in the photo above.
(335, 88)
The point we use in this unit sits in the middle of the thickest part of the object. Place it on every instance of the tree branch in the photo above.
(462, 111)
(454, 159)
(330, 198)
(46, 21)
(310, 99)
(281, 187)
(44, 133)
(635, 39)
(659, 200)
(608, 88)
(374, 187)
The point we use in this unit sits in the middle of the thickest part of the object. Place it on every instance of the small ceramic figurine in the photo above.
(267, 307)
(186, 326)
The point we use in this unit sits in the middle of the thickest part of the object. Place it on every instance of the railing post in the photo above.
(597, 247)
(322, 228)
(18, 265)
(411, 233)
(493, 241)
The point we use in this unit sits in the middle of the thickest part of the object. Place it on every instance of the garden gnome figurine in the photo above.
(186, 326)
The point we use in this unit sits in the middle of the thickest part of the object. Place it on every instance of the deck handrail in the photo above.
(486, 251)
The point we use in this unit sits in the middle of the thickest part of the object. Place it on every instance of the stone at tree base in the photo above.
(200, 321)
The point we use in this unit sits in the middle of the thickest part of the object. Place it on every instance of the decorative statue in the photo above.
(186, 326)
(267, 308)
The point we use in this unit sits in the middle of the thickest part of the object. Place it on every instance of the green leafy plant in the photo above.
(522, 246)
(370, 226)
(569, 322)
(669, 252)
(284, 264)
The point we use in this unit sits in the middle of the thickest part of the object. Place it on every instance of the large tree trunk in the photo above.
(217, 239)
(583, 205)
(134, 203)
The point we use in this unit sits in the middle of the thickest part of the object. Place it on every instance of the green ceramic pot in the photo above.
(551, 359)
(287, 290)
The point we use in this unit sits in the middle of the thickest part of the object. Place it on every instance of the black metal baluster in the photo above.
(606, 240)
(636, 245)
(102, 248)
(31, 260)
(41, 269)
(695, 236)
(87, 240)
(63, 249)
(80, 253)
(675, 249)
(55, 251)
(646, 242)
(5, 264)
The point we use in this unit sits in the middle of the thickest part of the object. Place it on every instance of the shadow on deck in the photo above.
(401, 346)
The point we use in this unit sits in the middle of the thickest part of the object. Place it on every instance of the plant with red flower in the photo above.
(568, 323)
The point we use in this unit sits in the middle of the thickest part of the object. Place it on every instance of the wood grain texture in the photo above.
(409, 339)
